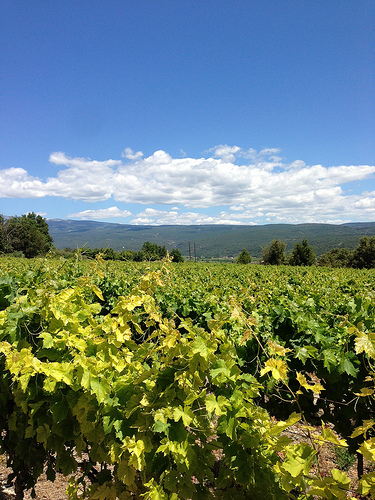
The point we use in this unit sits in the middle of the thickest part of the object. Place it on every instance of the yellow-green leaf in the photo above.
(365, 391)
(316, 388)
(126, 473)
(367, 484)
(182, 413)
(299, 459)
(362, 429)
(329, 435)
(212, 405)
(364, 343)
(277, 349)
(278, 368)
(97, 292)
(367, 449)
(280, 426)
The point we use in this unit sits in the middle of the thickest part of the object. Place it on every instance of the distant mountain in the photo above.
(211, 241)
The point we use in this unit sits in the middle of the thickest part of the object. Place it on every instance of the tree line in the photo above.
(28, 236)
(275, 254)
(362, 257)
(149, 252)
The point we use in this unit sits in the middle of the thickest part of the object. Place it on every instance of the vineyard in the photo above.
(181, 381)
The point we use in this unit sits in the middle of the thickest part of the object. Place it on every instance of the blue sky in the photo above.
(188, 112)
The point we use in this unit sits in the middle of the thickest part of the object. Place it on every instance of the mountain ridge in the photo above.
(209, 241)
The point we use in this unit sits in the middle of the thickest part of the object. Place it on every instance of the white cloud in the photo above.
(264, 186)
(269, 151)
(131, 155)
(143, 221)
(17, 183)
(102, 213)
(365, 203)
(60, 158)
(172, 217)
(84, 179)
(225, 152)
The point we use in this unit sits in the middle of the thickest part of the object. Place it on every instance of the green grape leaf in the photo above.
(299, 459)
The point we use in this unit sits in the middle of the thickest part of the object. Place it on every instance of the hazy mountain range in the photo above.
(209, 241)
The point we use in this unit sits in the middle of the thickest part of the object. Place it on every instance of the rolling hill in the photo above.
(211, 241)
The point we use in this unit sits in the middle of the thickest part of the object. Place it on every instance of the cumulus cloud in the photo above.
(17, 183)
(225, 152)
(102, 213)
(131, 155)
(253, 185)
(172, 217)
(84, 179)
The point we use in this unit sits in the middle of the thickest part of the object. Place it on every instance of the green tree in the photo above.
(108, 253)
(138, 256)
(2, 235)
(152, 251)
(302, 254)
(126, 255)
(364, 254)
(275, 254)
(244, 257)
(337, 257)
(41, 224)
(28, 234)
(176, 255)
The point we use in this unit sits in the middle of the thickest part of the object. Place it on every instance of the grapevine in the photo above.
(165, 389)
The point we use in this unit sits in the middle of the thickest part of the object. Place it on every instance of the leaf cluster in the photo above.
(78, 388)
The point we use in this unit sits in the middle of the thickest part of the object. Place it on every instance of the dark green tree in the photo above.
(152, 251)
(138, 256)
(90, 253)
(41, 224)
(126, 255)
(275, 255)
(302, 254)
(2, 235)
(244, 257)
(337, 257)
(108, 254)
(364, 254)
(28, 234)
(176, 255)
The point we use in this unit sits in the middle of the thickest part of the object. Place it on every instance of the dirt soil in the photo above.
(46, 490)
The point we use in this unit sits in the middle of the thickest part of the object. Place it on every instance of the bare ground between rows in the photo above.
(47, 490)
